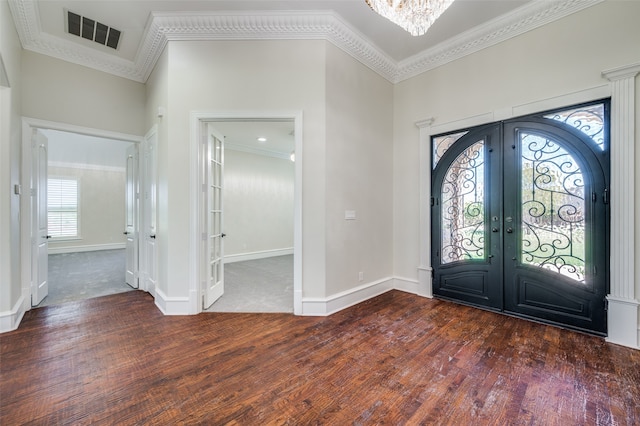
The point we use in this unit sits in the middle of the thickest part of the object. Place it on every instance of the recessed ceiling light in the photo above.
(261, 139)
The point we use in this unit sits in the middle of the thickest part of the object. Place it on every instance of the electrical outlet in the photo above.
(361, 276)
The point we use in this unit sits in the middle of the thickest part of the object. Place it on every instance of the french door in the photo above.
(520, 217)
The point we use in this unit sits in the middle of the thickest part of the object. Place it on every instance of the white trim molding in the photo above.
(407, 285)
(10, 320)
(327, 25)
(172, 305)
(241, 257)
(323, 306)
(622, 314)
(90, 247)
(526, 18)
(425, 284)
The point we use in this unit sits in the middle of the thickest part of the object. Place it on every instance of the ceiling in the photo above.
(66, 148)
(146, 25)
(243, 136)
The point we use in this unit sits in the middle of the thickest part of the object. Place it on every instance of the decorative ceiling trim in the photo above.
(312, 25)
(27, 20)
(526, 18)
(295, 25)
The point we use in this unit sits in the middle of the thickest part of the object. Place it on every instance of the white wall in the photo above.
(100, 166)
(359, 173)
(559, 59)
(258, 204)
(10, 143)
(58, 91)
(238, 76)
(102, 214)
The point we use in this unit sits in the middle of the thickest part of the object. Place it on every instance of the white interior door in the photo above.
(131, 217)
(213, 169)
(40, 283)
(149, 202)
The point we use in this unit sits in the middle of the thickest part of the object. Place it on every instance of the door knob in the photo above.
(495, 230)
(152, 236)
(125, 233)
(509, 230)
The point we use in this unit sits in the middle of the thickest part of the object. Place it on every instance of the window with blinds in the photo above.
(62, 207)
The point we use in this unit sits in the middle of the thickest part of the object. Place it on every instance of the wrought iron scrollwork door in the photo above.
(520, 217)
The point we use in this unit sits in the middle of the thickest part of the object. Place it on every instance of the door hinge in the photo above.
(605, 196)
(204, 236)
(433, 201)
(594, 197)
(606, 304)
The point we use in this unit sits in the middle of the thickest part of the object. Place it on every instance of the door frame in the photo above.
(27, 204)
(148, 212)
(199, 124)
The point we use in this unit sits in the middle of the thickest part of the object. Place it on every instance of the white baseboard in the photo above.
(94, 247)
(323, 306)
(407, 285)
(10, 320)
(622, 322)
(172, 305)
(241, 257)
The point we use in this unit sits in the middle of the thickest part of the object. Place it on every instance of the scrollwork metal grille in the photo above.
(463, 212)
(588, 119)
(442, 143)
(553, 207)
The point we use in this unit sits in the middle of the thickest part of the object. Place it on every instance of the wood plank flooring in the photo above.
(396, 359)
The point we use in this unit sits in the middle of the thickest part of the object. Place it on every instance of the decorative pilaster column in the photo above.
(425, 269)
(623, 302)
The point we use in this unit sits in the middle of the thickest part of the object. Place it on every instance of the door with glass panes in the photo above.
(520, 216)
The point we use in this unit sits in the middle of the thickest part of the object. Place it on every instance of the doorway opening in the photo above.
(249, 212)
(520, 216)
(258, 177)
(78, 180)
(86, 178)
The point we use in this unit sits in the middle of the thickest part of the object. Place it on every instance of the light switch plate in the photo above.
(350, 215)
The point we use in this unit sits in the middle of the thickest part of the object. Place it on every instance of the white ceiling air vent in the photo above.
(92, 30)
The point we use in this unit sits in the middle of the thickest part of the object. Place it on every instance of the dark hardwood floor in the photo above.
(395, 359)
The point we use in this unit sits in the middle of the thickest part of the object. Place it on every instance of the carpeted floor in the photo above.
(263, 285)
(84, 275)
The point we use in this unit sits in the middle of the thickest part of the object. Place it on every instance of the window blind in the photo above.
(62, 207)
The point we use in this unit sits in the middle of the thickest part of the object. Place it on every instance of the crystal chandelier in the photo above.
(415, 16)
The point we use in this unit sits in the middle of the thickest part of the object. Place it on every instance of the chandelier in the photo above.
(415, 16)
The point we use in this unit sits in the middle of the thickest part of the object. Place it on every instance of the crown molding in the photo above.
(264, 25)
(27, 21)
(282, 25)
(526, 18)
